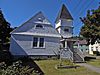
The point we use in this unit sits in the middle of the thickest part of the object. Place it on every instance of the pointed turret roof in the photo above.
(64, 14)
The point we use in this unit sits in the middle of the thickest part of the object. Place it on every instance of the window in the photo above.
(91, 48)
(96, 48)
(41, 44)
(82, 50)
(38, 42)
(35, 42)
(66, 30)
(39, 26)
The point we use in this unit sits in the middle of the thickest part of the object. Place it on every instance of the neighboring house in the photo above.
(82, 45)
(36, 37)
(95, 47)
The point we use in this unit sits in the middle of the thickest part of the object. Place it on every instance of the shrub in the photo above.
(16, 69)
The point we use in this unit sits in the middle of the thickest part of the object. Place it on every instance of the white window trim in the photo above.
(38, 42)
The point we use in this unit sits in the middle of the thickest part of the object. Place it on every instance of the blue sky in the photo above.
(17, 12)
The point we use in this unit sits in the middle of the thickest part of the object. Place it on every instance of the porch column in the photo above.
(78, 45)
(65, 43)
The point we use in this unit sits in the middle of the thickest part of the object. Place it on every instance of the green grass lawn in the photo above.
(95, 62)
(48, 67)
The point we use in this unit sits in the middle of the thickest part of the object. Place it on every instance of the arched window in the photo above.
(39, 26)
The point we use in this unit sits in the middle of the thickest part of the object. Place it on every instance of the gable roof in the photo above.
(64, 14)
(29, 27)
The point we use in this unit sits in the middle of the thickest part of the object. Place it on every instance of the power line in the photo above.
(85, 8)
(81, 6)
(78, 2)
(82, 11)
(89, 4)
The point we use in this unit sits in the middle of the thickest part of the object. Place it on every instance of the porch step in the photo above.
(77, 58)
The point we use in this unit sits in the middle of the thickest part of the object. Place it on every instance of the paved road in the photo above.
(93, 68)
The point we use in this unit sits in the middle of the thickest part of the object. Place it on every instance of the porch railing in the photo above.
(79, 52)
(66, 53)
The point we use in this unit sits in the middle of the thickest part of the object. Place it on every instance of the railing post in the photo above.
(65, 44)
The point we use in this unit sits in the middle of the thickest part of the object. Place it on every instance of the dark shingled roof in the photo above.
(64, 14)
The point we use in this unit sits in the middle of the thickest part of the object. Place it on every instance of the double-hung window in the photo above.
(41, 42)
(35, 42)
(38, 42)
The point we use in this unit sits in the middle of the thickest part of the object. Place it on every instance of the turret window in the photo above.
(66, 30)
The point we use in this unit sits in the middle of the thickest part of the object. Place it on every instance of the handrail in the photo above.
(70, 53)
(80, 53)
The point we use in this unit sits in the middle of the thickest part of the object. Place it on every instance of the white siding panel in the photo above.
(16, 49)
(58, 24)
(66, 23)
(25, 42)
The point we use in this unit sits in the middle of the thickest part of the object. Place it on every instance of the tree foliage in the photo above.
(91, 27)
(5, 29)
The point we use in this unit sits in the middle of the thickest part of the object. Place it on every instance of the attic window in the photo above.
(39, 26)
(40, 19)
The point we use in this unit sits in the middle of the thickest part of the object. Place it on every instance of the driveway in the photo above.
(93, 68)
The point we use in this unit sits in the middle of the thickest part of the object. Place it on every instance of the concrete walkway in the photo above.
(93, 68)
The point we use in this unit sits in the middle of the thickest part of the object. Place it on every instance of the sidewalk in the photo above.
(93, 68)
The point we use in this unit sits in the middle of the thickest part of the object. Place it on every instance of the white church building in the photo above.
(38, 38)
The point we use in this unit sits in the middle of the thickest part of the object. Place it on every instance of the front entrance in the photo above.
(67, 44)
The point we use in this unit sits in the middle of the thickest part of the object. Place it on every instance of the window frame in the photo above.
(38, 42)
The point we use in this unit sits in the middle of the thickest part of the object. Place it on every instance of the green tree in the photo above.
(5, 30)
(91, 27)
